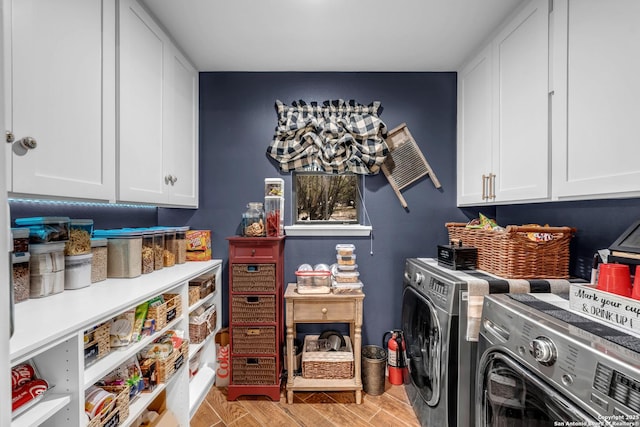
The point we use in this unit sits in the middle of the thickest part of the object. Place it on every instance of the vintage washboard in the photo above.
(405, 163)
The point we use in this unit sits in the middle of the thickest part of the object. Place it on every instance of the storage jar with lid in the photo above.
(100, 259)
(274, 187)
(158, 248)
(169, 255)
(148, 254)
(77, 271)
(20, 239)
(46, 269)
(181, 244)
(125, 252)
(20, 276)
(253, 220)
(44, 229)
(79, 243)
(274, 218)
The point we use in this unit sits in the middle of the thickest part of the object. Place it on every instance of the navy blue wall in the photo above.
(237, 122)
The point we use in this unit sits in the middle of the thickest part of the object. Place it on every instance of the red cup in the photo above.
(616, 279)
(635, 293)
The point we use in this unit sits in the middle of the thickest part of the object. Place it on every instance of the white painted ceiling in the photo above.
(329, 35)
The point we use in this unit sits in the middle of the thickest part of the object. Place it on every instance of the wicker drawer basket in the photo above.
(202, 326)
(97, 343)
(512, 255)
(253, 370)
(327, 364)
(254, 277)
(165, 368)
(253, 339)
(118, 413)
(166, 312)
(253, 308)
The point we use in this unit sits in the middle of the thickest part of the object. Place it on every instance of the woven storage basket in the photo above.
(253, 308)
(120, 410)
(206, 283)
(327, 364)
(253, 370)
(254, 277)
(253, 339)
(166, 312)
(165, 368)
(512, 255)
(98, 343)
(194, 294)
(201, 328)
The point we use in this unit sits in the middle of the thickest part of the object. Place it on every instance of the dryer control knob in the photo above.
(543, 350)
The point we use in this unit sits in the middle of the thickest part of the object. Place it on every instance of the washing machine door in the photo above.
(423, 340)
(508, 394)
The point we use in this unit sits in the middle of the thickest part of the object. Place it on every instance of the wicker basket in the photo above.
(97, 343)
(120, 410)
(202, 326)
(205, 283)
(253, 339)
(254, 277)
(194, 294)
(253, 370)
(512, 255)
(253, 308)
(166, 312)
(327, 364)
(165, 368)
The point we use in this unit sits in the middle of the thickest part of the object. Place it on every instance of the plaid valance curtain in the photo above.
(335, 137)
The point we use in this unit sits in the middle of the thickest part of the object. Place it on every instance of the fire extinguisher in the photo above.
(396, 355)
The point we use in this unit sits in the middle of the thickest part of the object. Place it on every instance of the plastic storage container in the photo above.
(45, 229)
(46, 269)
(181, 244)
(346, 260)
(346, 288)
(169, 255)
(158, 248)
(147, 251)
(347, 276)
(77, 271)
(20, 276)
(345, 249)
(274, 215)
(274, 187)
(313, 282)
(125, 252)
(100, 259)
(80, 232)
(20, 239)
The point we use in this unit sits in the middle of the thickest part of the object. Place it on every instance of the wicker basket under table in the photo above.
(512, 255)
(120, 410)
(327, 364)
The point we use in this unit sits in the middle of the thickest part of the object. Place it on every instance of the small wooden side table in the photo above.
(324, 308)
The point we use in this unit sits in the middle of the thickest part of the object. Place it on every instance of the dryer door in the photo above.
(424, 341)
(508, 394)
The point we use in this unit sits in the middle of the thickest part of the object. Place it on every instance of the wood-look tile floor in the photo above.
(309, 409)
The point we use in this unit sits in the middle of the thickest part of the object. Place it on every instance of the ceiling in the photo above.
(329, 35)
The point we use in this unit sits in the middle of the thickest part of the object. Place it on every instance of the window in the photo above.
(323, 198)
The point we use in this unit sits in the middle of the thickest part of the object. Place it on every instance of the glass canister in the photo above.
(253, 220)
(168, 255)
(274, 218)
(148, 254)
(181, 244)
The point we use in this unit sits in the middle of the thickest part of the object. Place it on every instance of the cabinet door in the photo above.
(63, 95)
(595, 105)
(474, 127)
(521, 108)
(141, 97)
(181, 146)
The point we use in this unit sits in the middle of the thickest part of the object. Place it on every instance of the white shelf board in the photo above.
(42, 411)
(117, 357)
(41, 321)
(140, 403)
(203, 301)
(193, 348)
(199, 387)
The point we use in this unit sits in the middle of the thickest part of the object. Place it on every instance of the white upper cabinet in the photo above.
(595, 103)
(61, 93)
(158, 102)
(503, 125)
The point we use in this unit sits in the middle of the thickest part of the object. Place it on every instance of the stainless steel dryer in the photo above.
(441, 360)
(543, 365)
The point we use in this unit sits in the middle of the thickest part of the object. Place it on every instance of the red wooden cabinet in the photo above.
(256, 315)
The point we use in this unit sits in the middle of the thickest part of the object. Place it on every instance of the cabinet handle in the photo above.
(492, 186)
(253, 252)
(10, 137)
(324, 310)
(484, 187)
(23, 145)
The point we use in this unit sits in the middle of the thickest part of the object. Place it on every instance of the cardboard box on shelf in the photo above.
(198, 245)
